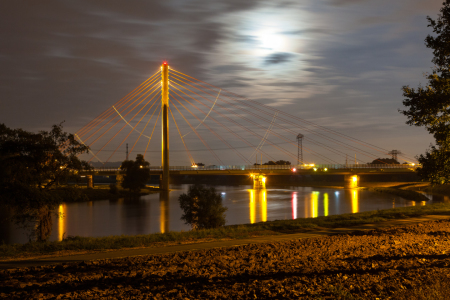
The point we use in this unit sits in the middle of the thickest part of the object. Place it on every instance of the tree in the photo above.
(278, 162)
(32, 166)
(429, 106)
(137, 173)
(202, 207)
(381, 161)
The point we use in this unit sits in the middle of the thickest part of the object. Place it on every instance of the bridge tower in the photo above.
(165, 125)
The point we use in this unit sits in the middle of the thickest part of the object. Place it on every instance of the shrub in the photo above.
(202, 207)
(113, 189)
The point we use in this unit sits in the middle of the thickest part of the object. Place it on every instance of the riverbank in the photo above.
(404, 262)
(78, 244)
(102, 192)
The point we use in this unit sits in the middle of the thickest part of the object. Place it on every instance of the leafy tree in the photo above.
(381, 161)
(33, 165)
(202, 207)
(136, 175)
(278, 162)
(429, 106)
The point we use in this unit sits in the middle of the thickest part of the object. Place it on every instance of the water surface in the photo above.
(156, 213)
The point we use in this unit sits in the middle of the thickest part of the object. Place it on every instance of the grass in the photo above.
(228, 232)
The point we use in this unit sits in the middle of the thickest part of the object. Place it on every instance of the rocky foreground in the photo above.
(387, 263)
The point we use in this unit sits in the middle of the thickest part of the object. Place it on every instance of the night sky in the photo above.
(338, 63)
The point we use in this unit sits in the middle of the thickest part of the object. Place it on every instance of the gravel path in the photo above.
(382, 264)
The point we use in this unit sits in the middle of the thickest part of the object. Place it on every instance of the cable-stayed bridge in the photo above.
(224, 131)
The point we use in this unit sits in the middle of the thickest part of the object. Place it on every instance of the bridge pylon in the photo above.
(259, 181)
(164, 185)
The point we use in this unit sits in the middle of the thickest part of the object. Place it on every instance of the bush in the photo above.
(113, 189)
(202, 207)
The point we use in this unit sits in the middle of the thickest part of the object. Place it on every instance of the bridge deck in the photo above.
(271, 170)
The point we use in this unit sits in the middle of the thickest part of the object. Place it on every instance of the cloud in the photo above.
(307, 31)
(345, 2)
(278, 58)
(234, 68)
(289, 83)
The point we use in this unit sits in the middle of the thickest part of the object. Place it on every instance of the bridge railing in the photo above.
(273, 167)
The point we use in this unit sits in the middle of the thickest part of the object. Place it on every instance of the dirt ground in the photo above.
(383, 264)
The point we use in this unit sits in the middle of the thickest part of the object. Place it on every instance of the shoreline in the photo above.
(406, 261)
(77, 244)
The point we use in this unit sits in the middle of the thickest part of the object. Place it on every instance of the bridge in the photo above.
(259, 173)
(233, 132)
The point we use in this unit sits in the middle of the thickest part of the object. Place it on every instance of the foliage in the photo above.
(278, 162)
(435, 165)
(33, 164)
(113, 189)
(429, 106)
(380, 161)
(137, 173)
(202, 207)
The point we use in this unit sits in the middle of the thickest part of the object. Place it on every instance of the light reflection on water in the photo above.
(160, 212)
(258, 205)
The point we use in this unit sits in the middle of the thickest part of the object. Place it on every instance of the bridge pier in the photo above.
(351, 181)
(259, 181)
(90, 181)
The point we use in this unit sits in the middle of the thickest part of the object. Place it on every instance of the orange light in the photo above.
(294, 169)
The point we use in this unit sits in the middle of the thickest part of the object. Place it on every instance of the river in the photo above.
(154, 214)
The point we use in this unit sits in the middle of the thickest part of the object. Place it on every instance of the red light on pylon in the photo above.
(165, 63)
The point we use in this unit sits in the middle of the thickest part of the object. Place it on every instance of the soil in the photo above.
(383, 263)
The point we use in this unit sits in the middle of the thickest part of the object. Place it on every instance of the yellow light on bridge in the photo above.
(315, 169)
(355, 178)
(264, 179)
(325, 169)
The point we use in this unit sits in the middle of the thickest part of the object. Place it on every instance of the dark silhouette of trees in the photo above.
(274, 163)
(137, 173)
(33, 165)
(202, 207)
(381, 161)
(429, 106)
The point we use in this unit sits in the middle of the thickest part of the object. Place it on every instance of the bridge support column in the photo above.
(259, 182)
(165, 126)
(351, 181)
(90, 181)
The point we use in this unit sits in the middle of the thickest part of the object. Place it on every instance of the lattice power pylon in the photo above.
(300, 148)
(394, 153)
